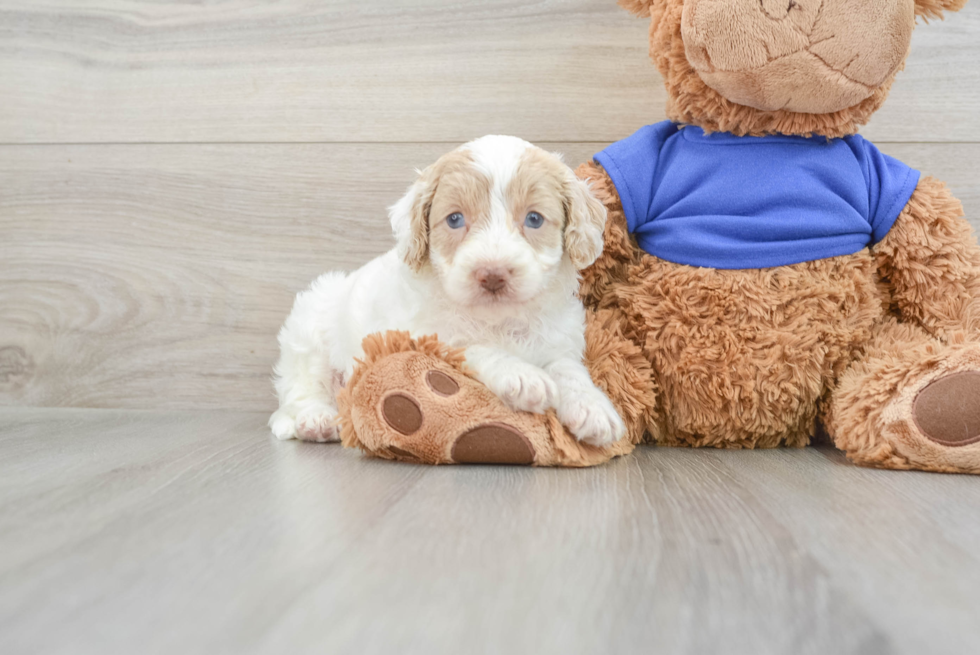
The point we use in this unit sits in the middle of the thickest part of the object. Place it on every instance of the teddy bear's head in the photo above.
(780, 66)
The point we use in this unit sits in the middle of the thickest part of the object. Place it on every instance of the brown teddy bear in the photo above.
(764, 266)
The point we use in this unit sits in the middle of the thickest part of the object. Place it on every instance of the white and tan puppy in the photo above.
(490, 240)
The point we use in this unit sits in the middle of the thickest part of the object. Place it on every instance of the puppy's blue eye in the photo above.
(455, 220)
(534, 220)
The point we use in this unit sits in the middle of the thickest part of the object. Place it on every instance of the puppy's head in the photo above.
(497, 220)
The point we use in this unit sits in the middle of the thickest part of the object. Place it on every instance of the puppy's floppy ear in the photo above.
(410, 219)
(640, 8)
(585, 221)
(935, 8)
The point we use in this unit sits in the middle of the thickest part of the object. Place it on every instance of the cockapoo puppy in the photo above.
(490, 240)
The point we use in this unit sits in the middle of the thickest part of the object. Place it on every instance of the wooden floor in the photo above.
(172, 173)
(192, 532)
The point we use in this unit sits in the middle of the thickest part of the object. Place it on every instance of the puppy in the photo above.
(490, 240)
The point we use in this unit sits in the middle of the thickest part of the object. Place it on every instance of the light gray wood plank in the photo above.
(146, 277)
(886, 536)
(195, 529)
(419, 70)
(164, 532)
(928, 101)
(654, 553)
(158, 276)
(339, 71)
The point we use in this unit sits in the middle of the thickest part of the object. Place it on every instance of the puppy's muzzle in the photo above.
(492, 279)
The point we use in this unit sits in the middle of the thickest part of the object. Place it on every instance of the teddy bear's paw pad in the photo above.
(402, 413)
(947, 411)
(493, 443)
(441, 383)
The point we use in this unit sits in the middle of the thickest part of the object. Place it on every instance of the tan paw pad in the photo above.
(402, 413)
(493, 443)
(441, 383)
(947, 411)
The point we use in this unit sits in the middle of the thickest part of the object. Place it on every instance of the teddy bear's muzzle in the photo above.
(810, 56)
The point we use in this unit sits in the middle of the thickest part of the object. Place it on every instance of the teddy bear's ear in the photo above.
(935, 8)
(642, 7)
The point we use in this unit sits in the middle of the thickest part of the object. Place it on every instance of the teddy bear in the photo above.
(765, 271)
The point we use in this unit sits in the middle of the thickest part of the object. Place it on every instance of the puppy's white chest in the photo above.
(516, 337)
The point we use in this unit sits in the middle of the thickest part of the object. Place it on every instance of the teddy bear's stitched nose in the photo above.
(778, 9)
(798, 56)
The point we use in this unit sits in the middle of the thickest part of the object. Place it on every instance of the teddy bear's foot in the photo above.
(411, 400)
(914, 403)
(419, 422)
(947, 410)
(494, 443)
(934, 423)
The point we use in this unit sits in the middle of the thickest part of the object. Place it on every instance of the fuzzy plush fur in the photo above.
(741, 357)
(692, 101)
(755, 358)
(748, 359)
(396, 363)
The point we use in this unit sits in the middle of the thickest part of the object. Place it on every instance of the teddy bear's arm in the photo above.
(931, 262)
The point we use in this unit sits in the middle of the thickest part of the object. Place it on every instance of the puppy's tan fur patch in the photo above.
(542, 178)
(538, 186)
(460, 187)
(541, 183)
(544, 184)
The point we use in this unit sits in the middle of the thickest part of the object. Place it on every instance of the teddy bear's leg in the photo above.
(913, 399)
(410, 400)
(910, 402)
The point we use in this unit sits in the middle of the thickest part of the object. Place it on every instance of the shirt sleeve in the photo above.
(632, 166)
(890, 185)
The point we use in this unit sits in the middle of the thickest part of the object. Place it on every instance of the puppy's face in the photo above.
(496, 219)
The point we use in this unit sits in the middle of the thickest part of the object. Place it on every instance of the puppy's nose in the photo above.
(492, 279)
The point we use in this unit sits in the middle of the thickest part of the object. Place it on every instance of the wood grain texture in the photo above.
(263, 143)
(158, 276)
(134, 276)
(160, 532)
(347, 70)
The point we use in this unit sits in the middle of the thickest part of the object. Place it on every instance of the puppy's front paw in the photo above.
(317, 422)
(283, 424)
(525, 388)
(590, 417)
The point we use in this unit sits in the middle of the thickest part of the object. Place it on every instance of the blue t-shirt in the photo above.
(723, 201)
